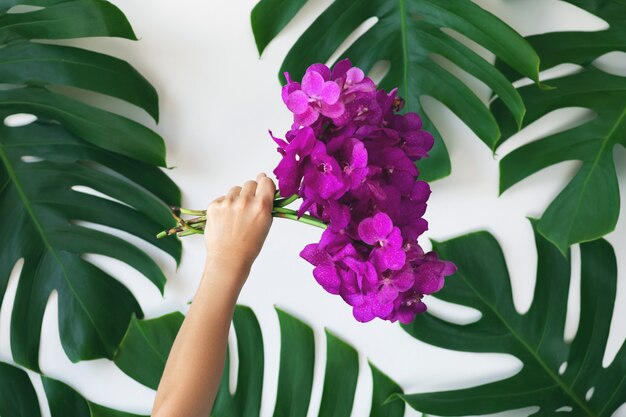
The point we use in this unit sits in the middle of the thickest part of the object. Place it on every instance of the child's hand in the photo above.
(238, 223)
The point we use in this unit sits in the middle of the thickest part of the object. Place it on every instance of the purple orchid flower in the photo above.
(313, 97)
(380, 232)
(351, 158)
(430, 273)
(407, 306)
(326, 256)
(323, 176)
(290, 169)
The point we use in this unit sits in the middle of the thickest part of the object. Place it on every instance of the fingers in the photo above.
(233, 192)
(265, 188)
(249, 188)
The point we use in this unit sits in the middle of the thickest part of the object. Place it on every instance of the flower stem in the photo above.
(192, 212)
(282, 202)
(293, 215)
(196, 224)
(191, 231)
(197, 220)
(177, 211)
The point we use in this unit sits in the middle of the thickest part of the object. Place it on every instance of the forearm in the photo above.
(193, 371)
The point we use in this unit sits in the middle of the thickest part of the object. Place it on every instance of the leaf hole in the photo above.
(23, 8)
(29, 159)
(564, 409)
(90, 191)
(478, 87)
(617, 330)
(480, 50)
(552, 123)
(6, 306)
(572, 318)
(613, 63)
(453, 313)
(620, 411)
(379, 70)
(352, 38)
(589, 393)
(578, 19)
(19, 119)
(233, 352)
(562, 368)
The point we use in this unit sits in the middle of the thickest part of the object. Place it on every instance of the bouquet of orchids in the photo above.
(351, 158)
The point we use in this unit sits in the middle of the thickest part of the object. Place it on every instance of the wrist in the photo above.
(226, 269)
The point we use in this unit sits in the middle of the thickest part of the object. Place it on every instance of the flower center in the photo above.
(415, 298)
(361, 110)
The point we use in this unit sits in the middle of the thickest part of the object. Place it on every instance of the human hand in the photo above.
(238, 223)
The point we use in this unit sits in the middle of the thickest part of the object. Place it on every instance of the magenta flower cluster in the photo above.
(351, 158)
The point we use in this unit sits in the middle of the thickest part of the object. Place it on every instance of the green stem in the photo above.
(196, 225)
(191, 231)
(282, 202)
(284, 213)
(196, 220)
(192, 212)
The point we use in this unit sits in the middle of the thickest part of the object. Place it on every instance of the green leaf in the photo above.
(407, 34)
(147, 343)
(578, 47)
(7, 4)
(64, 20)
(18, 398)
(279, 12)
(17, 394)
(22, 63)
(297, 356)
(588, 207)
(142, 355)
(101, 128)
(247, 398)
(535, 338)
(74, 145)
(338, 386)
(385, 391)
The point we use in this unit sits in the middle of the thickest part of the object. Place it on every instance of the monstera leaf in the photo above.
(588, 207)
(144, 350)
(580, 47)
(407, 34)
(72, 145)
(556, 375)
(18, 398)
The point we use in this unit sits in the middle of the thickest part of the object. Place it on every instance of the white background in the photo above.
(217, 101)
